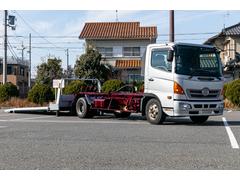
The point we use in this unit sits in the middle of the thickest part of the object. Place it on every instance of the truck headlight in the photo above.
(221, 106)
(185, 106)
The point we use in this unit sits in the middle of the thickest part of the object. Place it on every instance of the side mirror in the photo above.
(170, 55)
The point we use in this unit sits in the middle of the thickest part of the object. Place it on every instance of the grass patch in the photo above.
(18, 102)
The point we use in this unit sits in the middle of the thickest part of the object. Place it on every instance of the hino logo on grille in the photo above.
(205, 91)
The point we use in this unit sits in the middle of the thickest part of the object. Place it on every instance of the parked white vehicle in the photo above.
(182, 80)
(179, 80)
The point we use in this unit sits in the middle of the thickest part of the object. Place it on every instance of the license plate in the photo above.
(205, 112)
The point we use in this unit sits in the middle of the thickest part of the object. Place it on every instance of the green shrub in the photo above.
(7, 91)
(225, 86)
(233, 92)
(75, 87)
(112, 85)
(140, 86)
(40, 93)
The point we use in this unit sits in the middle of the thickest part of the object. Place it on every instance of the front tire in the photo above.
(83, 109)
(154, 113)
(199, 119)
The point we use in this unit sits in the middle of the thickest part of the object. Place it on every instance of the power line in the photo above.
(63, 48)
(34, 29)
(63, 42)
(76, 37)
(15, 56)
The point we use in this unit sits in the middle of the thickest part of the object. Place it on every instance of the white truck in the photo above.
(182, 80)
(179, 80)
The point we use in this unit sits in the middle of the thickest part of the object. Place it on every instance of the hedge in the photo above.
(225, 86)
(233, 92)
(40, 93)
(75, 87)
(7, 91)
(112, 85)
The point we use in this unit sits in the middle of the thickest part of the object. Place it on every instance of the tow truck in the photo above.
(180, 79)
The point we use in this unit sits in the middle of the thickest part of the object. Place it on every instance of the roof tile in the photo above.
(117, 30)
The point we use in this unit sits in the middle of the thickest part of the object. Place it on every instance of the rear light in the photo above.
(178, 89)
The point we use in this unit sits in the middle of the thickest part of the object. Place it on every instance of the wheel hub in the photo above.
(153, 111)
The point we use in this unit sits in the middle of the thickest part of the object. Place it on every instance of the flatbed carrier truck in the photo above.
(180, 80)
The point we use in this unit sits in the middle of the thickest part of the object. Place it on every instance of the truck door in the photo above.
(160, 77)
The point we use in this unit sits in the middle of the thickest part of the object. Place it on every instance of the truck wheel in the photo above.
(199, 119)
(82, 108)
(154, 113)
(122, 114)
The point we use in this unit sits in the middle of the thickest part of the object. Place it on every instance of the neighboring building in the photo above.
(121, 44)
(228, 41)
(17, 73)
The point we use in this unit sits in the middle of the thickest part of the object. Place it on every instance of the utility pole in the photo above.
(171, 26)
(67, 62)
(116, 15)
(22, 49)
(30, 61)
(4, 79)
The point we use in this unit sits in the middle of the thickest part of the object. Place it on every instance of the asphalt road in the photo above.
(29, 141)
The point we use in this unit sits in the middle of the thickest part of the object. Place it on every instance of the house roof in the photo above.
(233, 30)
(17, 61)
(117, 30)
(128, 64)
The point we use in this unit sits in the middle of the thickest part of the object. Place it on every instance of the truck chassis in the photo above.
(122, 104)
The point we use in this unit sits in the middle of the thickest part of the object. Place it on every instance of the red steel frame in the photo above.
(113, 101)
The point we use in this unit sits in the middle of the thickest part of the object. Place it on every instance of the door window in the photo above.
(159, 60)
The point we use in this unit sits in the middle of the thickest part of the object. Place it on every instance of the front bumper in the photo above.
(198, 108)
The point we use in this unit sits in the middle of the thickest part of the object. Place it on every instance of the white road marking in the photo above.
(231, 136)
(229, 111)
(30, 118)
(3, 126)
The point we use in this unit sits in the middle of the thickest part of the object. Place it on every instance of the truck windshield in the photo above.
(197, 61)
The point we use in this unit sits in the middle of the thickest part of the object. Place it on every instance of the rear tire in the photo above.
(154, 113)
(83, 109)
(199, 119)
(122, 114)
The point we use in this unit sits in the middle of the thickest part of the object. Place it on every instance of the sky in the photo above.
(65, 26)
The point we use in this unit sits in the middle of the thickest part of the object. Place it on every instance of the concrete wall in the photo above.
(118, 45)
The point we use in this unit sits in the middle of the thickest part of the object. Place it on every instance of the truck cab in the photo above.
(182, 79)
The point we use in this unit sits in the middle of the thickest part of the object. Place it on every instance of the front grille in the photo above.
(197, 93)
(205, 106)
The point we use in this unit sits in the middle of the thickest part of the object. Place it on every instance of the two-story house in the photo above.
(228, 41)
(17, 74)
(122, 44)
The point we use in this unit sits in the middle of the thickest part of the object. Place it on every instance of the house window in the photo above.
(131, 51)
(105, 51)
(9, 69)
(1, 69)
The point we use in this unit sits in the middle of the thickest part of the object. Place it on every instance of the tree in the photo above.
(41, 93)
(49, 70)
(7, 91)
(69, 72)
(89, 66)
